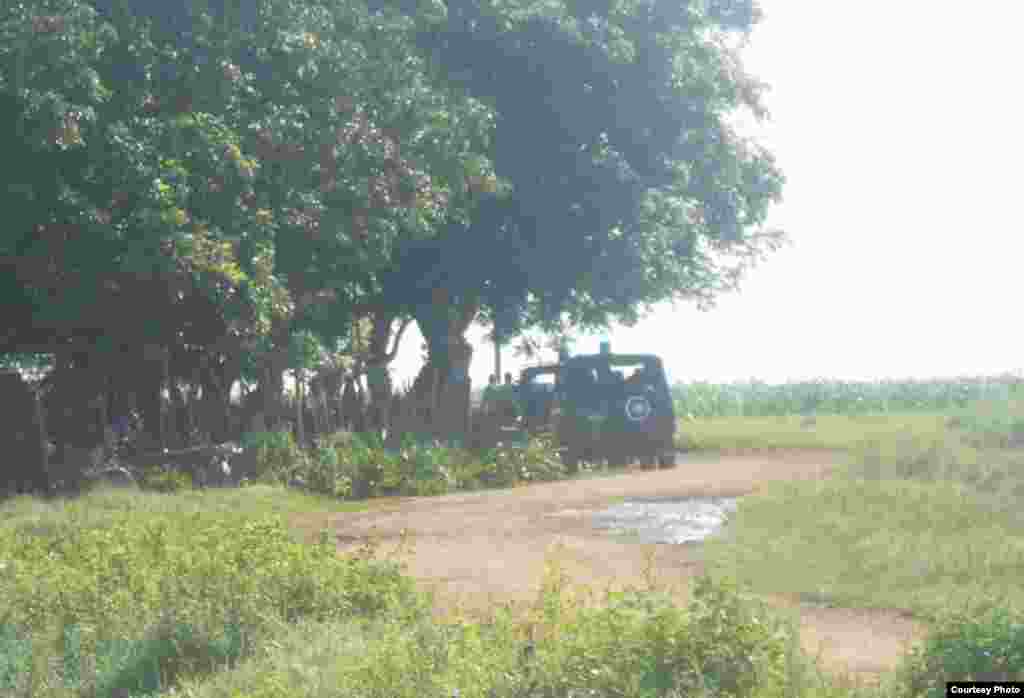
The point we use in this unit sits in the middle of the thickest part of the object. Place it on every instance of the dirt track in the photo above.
(484, 547)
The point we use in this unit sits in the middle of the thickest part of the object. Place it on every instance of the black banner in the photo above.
(966, 689)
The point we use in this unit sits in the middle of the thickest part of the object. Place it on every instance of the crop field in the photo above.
(837, 397)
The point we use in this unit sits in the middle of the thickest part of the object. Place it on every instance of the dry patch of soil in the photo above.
(482, 548)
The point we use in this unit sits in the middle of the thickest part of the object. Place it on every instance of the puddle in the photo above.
(674, 521)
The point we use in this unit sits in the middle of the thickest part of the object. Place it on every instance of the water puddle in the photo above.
(674, 521)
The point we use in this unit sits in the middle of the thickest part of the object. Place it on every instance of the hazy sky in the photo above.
(897, 125)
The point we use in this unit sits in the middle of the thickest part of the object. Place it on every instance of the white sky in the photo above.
(897, 125)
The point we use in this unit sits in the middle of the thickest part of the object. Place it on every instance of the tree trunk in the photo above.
(217, 378)
(271, 387)
(497, 358)
(180, 415)
(350, 407)
(449, 356)
(300, 406)
(149, 385)
(22, 436)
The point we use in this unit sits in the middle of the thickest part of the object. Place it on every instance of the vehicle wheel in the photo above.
(667, 460)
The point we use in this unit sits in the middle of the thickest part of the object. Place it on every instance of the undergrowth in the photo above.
(208, 594)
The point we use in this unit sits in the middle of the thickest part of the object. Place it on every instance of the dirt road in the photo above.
(486, 547)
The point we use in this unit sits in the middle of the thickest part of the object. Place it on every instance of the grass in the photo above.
(830, 432)
(875, 543)
(925, 515)
(307, 512)
(211, 594)
(137, 589)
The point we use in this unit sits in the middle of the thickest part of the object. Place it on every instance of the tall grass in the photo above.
(133, 591)
(827, 396)
(174, 595)
(919, 518)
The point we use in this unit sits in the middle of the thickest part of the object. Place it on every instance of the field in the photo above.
(836, 397)
(241, 594)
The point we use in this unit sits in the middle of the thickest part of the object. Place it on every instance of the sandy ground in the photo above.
(477, 549)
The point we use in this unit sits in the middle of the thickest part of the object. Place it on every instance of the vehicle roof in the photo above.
(613, 358)
(595, 359)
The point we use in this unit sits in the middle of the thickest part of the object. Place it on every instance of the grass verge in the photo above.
(209, 595)
(925, 516)
(890, 544)
(831, 432)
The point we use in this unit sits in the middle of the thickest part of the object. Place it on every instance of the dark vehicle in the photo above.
(603, 407)
(537, 388)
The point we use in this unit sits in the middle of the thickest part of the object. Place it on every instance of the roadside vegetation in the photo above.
(126, 594)
(218, 593)
(924, 516)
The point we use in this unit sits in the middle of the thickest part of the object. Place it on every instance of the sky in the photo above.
(896, 126)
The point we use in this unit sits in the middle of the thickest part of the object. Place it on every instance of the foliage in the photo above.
(360, 466)
(422, 468)
(166, 480)
(638, 645)
(167, 588)
(535, 459)
(260, 181)
(645, 645)
(254, 174)
(824, 396)
(274, 453)
(984, 643)
(649, 196)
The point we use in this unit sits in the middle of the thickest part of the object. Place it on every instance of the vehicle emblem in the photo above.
(638, 408)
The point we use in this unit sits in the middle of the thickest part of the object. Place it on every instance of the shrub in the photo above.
(271, 453)
(422, 468)
(642, 644)
(167, 480)
(323, 472)
(983, 644)
(535, 460)
(360, 466)
(153, 596)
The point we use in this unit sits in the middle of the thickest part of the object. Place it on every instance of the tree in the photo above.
(270, 165)
(626, 185)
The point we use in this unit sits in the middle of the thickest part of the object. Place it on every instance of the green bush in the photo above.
(422, 468)
(360, 466)
(366, 461)
(983, 644)
(641, 644)
(153, 595)
(140, 666)
(323, 472)
(536, 460)
(272, 453)
(167, 480)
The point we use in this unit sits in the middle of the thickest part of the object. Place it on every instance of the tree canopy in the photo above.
(217, 177)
